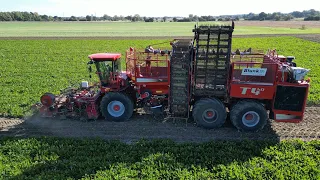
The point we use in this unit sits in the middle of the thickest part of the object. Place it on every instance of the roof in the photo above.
(105, 56)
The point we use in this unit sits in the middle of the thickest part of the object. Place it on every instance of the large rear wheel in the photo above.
(209, 113)
(116, 107)
(248, 116)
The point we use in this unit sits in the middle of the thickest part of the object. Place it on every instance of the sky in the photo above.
(156, 8)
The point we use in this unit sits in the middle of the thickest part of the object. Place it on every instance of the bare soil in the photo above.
(144, 126)
(286, 24)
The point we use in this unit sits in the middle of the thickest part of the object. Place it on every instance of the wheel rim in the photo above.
(250, 119)
(210, 115)
(116, 108)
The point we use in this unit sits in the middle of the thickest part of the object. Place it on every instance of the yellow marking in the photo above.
(158, 91)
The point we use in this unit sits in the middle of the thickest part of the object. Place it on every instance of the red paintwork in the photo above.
(263, 87)
(252, 91)
(69, 105)
(148, 71)
(105, 56)
(116, 107)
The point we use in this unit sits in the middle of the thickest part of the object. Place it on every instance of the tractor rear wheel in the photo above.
(209, 113)
(248, 116)
(116, 107)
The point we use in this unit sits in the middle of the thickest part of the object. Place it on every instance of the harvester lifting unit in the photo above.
(199, 77)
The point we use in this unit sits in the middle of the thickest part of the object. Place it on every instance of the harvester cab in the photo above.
(108, 67)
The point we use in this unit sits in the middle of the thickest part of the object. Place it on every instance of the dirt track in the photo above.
(146, 127)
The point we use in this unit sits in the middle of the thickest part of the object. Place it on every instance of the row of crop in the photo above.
(30, 68)
(54, 158)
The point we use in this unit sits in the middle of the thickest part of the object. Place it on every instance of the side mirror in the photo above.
(90, 69)
(90, 62)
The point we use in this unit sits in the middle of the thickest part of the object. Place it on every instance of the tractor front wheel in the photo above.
(209, 113)
(248, 116)
(116, 107)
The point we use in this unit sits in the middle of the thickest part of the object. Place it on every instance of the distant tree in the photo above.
(297, 14)
(16, 16)
(121, 18)
(148, 19)
(236, 18)
(136, 18)
(165, 18)
(50, 18)
(55, 18)
(262, 16)
(44, 18)
(202, 18)
(5, 16)
(184, 20)
(312, 18)
(128, 18)
(115, 18)
(36, 16)
(94, 18)
(288, 17)
(195, 18)
(175, 19)
(88, 18)
(72, 18)
(211, 18)
(107, 17)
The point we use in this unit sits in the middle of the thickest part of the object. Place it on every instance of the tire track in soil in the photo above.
(146, 127)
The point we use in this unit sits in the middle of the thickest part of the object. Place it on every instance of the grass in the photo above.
(124, 29)
(57, 158)
(33, 67)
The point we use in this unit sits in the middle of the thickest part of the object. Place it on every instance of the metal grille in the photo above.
(213, 49)
(180, 68)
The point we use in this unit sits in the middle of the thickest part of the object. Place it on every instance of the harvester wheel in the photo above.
(248, 116)
(209, 113)
(116, 107)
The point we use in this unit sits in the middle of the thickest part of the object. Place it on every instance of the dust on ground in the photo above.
(144, 126)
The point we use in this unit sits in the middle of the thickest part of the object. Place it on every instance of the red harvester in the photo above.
(197, 77)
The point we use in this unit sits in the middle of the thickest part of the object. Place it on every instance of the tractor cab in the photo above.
(108, 65)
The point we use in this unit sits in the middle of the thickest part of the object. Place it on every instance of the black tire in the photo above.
(208, 100)
(256, 110)
(206, 105)
(112, 99)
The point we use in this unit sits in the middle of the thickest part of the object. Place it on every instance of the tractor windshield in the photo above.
(104, 70)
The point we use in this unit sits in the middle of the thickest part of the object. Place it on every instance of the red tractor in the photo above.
(197, 77)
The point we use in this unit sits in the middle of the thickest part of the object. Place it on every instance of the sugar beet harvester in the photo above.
(199, 78)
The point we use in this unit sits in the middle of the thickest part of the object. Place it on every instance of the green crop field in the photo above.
(137, 29)
(55, 158)
(30, 68)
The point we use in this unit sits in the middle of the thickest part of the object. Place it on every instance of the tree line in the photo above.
(308, 15)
